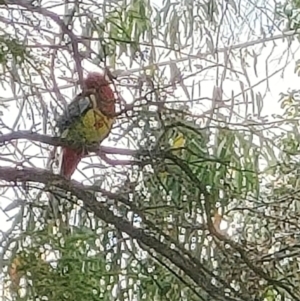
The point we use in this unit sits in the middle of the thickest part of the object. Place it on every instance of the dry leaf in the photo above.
(15, 274)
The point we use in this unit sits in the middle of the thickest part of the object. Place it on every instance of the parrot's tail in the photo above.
(69, 161)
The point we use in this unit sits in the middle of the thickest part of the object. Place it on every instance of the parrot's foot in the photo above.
(93, 147)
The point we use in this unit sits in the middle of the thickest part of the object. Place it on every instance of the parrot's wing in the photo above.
(75, 109)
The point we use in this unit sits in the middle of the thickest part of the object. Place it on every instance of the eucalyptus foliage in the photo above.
(196, 195)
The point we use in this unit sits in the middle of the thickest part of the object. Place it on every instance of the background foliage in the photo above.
(195, 194)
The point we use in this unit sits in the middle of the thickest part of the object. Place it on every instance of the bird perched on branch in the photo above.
(87, 120)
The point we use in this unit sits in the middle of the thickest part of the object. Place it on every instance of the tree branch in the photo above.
(47, 13)
(100, 210)
(56, 141)
(184, 58)
(202, 55)
(236, 246)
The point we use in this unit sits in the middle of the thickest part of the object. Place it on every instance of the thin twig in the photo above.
(62, 25)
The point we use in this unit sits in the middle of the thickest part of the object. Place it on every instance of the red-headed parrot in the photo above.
(87, 120)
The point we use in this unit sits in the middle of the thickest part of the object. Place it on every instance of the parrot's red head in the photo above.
(105, 95)
(96, 80)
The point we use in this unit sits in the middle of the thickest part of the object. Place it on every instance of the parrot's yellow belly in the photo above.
(91, 128)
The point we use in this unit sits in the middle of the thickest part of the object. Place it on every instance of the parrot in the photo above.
(88, 119)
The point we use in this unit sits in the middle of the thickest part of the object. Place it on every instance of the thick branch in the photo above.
(100, 210)
(236, 246)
